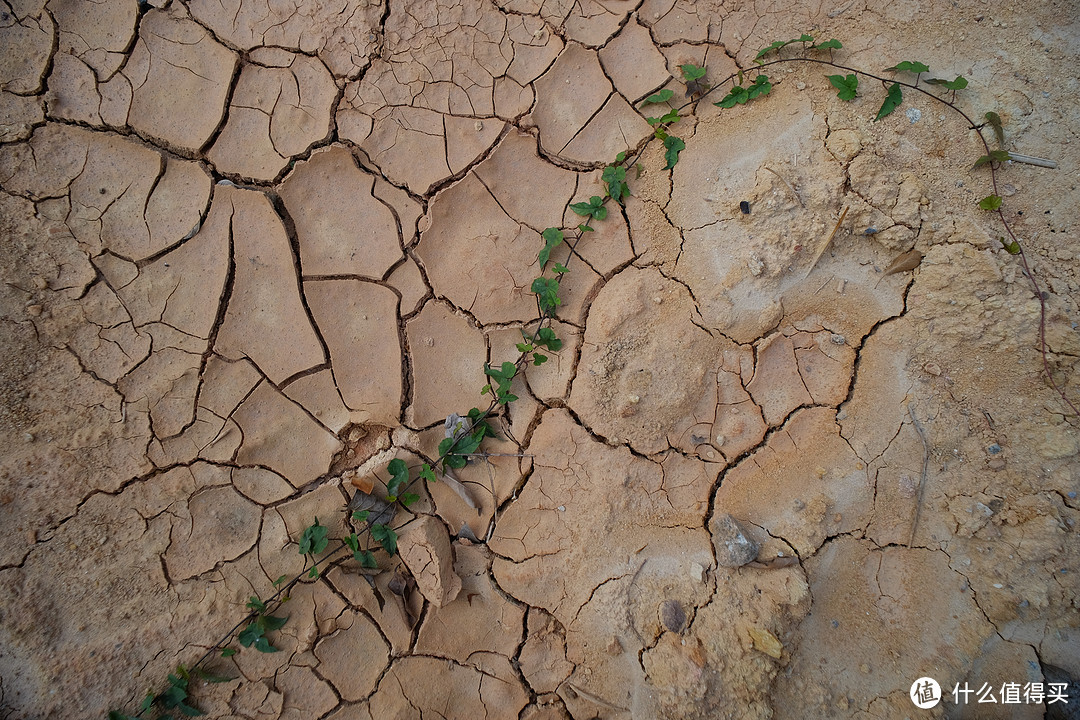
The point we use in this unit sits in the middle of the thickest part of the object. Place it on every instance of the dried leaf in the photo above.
(903, 262)
(766, 642)
(364, 484)
(454, 484)
(379, 512)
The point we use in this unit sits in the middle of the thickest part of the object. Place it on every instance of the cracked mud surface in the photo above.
(252, 249)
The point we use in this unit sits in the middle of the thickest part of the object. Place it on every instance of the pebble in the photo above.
(734, 548)
(993, 449)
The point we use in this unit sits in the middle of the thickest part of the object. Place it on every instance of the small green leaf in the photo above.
(256, 605)
(560, 268)
(399, 476)
(148, 701)
(990, 202)
(385, 537)
(738, 95)
(210, 677)
(672, 116)
(263, 645)
(892, 101)
(366, 558)
(269, 623)
(539, 359)
(692, 72)
(958, 84)
(847, 86)
(615, 177)
(228, 652)
(361, 515)
(833, 44)
(314, 541)
(546, 338)
(1012, 247)
(620, 157)
(674, 146)
(426, 473)
(280, 580)
(117, 715)
(352, 542)
(910, 66)
(659, 97)
(584, 228)
(995, 122)
(761, 86)
(552, 238)
(250, 634)
(408, 499)
(994, 156)
(775, 45)
(547, 292)
(313, 572)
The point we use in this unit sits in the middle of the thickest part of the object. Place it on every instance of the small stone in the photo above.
(614, 647)
(993, 449)
(838, 339)
(720, 440)
(33, 310)
(672, 615)
(697, 572)
(997, 464)
(733, 547)
(932, 369)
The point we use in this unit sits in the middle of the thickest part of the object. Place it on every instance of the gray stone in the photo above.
(734, 548)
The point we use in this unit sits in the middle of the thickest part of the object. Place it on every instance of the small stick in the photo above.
(786, 183)
(922, 478)
(822, 250)
(1033, 160)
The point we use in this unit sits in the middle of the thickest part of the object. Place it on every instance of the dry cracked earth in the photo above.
(253, 250)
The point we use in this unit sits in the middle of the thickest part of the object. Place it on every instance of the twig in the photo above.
(922, 479)
(1016, 157)
(823, 247)
(788, 185)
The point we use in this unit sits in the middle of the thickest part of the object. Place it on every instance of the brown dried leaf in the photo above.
(903, 262)
(380, 512)
(364, 484)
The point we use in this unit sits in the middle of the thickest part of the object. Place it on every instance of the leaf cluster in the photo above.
(740, 95)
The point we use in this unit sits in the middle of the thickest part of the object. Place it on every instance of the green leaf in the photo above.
(692, 72)
(994, 156)
(361, 515)
(210, 677)
(269, 623)
(892, 101)
(449, 459)
(615, 177)
(539, 359)
(476, 417)
(995, 122)
(761, 86)
(148, 701)
(775, 45)
(552, 238)
(1012, 247)
(672, 116)
(280, 580)
(263, 645)
(313, 572)
(560, 268)
(620, 157)
(426, 473)
(990, 202)
(958, 84)
(228, 652)
(352, 542)
(399, 473)
(117, 715)
(583, 228)
(314, 541)
(847, 86)
(674, 146)
(659, 97)
(910, 66)
(545, 337)
(833, 44)
(385, 537)
(256, 605)
(547, 292)
(738, 95)
(250, 634)
(366, 558)
(408, 499)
